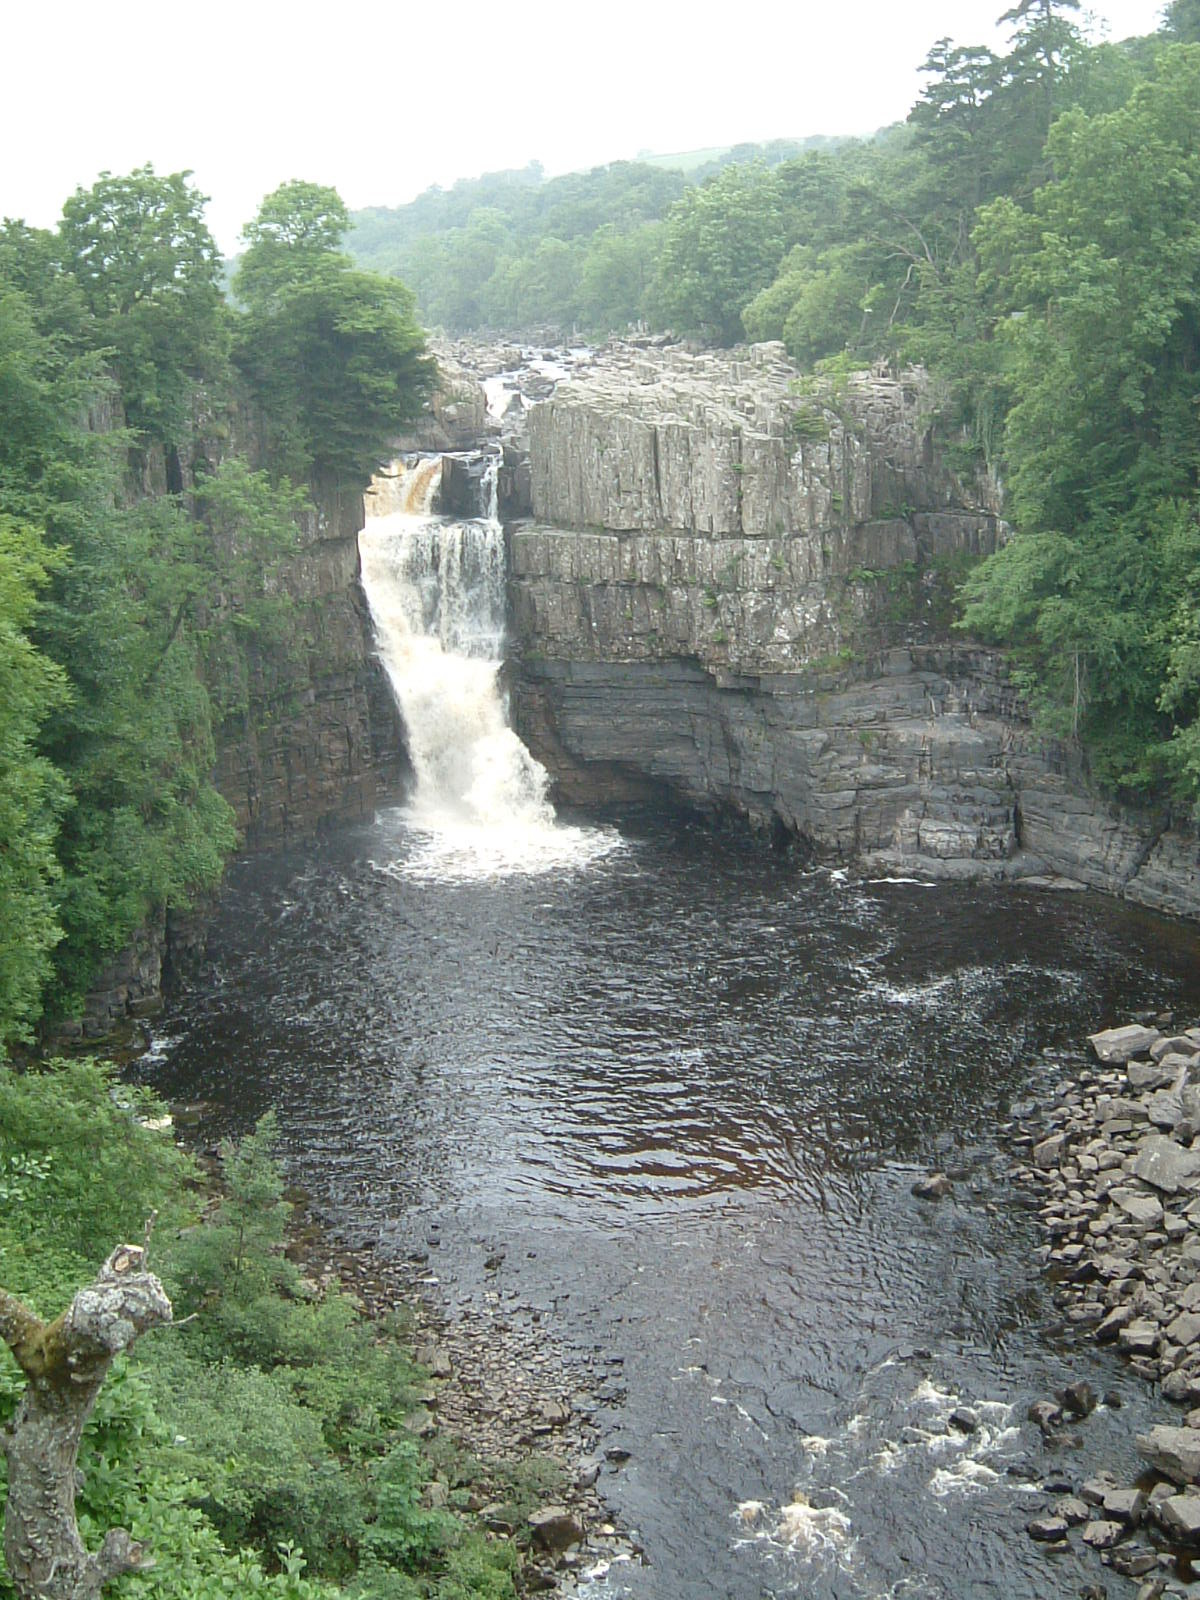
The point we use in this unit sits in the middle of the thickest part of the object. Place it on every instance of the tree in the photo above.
(723, 243)
(31, 791)
(1047, 8)
(65, 1363)
(1100, 283)
(1182, 21)
(334, 355)
(149, 271)
(298, 222)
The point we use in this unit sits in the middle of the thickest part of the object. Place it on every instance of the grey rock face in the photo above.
(722, 444)
(1122, 1044)
(1167, 1165)
(731, 588)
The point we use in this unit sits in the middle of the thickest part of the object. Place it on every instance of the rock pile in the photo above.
(1116, 1163)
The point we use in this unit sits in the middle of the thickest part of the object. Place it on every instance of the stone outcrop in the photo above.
(307, 752)
(456, 417)
(740, 590)
(725, 446)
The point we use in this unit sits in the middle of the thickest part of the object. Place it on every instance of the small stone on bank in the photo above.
(933, 1187)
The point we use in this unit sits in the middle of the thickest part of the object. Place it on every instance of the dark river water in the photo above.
(685, 1092)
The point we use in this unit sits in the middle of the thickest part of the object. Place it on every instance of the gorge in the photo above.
(644, 1113)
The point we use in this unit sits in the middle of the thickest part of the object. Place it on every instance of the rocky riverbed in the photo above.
(1112, 1161)
(500, 1388)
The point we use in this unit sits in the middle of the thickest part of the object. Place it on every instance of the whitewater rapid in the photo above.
(436, 589)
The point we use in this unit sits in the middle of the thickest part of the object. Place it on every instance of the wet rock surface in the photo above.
(1119, 1204)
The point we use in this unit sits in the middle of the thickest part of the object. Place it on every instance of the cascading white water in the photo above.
(435, 586)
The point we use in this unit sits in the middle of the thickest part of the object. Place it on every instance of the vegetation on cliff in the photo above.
(150, 440)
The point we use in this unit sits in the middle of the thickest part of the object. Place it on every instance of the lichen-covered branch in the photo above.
(65, 1363)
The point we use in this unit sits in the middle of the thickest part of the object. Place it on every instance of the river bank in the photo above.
(1110, 1160)
(502, 1389)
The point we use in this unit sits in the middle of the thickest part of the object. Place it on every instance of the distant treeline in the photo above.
(517, 250)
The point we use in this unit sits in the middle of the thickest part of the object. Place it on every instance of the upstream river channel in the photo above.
(682, 1088)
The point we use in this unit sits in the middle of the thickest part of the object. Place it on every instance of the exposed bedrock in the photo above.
(741, 591)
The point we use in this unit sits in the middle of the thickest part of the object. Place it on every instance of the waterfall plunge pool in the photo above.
(683, 1091)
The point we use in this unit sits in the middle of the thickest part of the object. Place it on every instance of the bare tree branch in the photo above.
(65, 1363)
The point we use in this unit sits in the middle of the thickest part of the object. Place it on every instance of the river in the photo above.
(668, 1092)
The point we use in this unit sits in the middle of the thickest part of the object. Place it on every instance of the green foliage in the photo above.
(260, 1446)
(130, 624)
(512, 250)
(334, 355)
(297, 225)
(1182, 21)
(135, 740)
(31, 794)
(148, 270)
(1101, 443)
(722, 244)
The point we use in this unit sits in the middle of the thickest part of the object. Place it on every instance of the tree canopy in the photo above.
(334, 354)
(140, 554)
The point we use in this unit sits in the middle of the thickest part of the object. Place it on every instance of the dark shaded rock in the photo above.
(555, 1528)
(1047, 1529)
(933, 1187)
(1078, 1399)
(1133, 1560)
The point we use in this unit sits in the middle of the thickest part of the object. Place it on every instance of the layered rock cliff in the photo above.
(741, 590)
(319, 735)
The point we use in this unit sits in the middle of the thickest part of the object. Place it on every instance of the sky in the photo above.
(383, 99)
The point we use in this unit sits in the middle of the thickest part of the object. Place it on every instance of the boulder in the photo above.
(1102, 1535)
(1180, 1516)
(1047, 1529)
(555, 1528)
(1119, 1045)
(1175, 1452)
(1046, 1154)
(1144, 1209)
(1166, 1165)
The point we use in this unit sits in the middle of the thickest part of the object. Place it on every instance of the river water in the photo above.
(667, 1092)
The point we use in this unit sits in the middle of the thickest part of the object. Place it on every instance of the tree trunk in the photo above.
(65, 1363)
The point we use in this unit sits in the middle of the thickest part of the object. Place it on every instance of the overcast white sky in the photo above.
(383, 99)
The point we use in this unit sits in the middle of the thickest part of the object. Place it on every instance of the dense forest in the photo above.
(517, 250)
(156, 451)
(1030, 235)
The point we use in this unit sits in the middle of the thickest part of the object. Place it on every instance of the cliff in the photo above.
(319, 735)
(741, 591)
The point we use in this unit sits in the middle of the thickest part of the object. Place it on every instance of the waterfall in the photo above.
(436, 589)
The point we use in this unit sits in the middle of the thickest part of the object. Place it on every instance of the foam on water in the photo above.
(436, 588)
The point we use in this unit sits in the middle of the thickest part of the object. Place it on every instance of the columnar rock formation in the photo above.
(740, 589)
